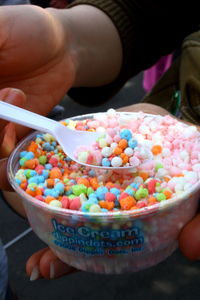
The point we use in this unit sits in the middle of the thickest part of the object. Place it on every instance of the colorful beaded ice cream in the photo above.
(163, 153)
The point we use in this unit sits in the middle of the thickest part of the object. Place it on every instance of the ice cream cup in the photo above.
(108, 242)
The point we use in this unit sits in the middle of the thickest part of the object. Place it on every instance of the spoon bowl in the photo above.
(68, 139)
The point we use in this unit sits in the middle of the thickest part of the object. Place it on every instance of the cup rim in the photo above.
(136, 213)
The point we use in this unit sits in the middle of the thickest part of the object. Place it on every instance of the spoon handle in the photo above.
(25, 117)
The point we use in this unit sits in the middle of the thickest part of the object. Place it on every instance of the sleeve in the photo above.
(148, 29)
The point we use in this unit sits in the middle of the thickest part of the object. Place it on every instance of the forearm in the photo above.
(94, 44)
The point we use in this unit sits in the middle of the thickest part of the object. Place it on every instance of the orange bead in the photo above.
(94, 183)
(166, 178)
(23, 184)
(124, 158)
(144, 175)
(50, 182)
(179, 175)
(31, 192)
(156, 149)
(48, 199)
(33, 147)
(117, 151)
(84, 181)
(127, 202)
(31, 163)
(123, 143)
(55, 173)
(39, 192)
(168, 194)
(152, 200)
(110, 185)
(106, 205)
(134, 207)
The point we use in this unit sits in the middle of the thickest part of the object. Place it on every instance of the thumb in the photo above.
(189, 239)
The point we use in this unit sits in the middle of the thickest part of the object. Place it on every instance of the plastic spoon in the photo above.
(68, 139)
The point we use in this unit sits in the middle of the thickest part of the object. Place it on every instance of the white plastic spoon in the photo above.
(68, 139)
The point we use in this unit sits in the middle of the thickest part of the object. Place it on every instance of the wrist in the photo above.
(93, 44)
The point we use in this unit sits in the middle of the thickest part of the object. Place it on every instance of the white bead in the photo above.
(55, 203)
(100, 129)
(166, 152)
(107, 151)
(111, 112)
(116, 162)
(138, 180)
(128, 151)
(113, 145)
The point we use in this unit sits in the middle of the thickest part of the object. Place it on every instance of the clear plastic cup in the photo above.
(109, 242)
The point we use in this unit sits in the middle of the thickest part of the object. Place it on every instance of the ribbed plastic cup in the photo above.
(109, 242)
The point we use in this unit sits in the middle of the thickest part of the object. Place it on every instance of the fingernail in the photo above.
(11, 94)
(35, 273)
(52, 271)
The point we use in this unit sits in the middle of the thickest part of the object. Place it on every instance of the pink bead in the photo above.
(65, 202)
(151, 185)
(53, 161)
(110, 197)
(112, 123)
(111, 132)
(39, 169)
(116, 138)
(75, 203)
(39, 197)
(123, 195)
(134, 161)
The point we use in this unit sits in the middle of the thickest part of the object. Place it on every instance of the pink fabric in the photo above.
(153, 74)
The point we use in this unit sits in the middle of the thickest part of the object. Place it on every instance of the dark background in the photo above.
(175, 278)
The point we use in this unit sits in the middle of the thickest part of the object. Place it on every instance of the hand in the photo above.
(34, 56)
(45, 264)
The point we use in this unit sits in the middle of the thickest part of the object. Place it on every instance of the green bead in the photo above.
(78, 189)
(141, 193)
(22, 161)
(32, 186)
(160, 197)
(72, 196)
(66, 180)
(55, 203)
(95, 208)
(42, 159)
(158, 166)
(90, 191)
(102, 143)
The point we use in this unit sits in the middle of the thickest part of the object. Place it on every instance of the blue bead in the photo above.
(100, 192)
(33, 179)
(22, 154)
(29, 155)
(45, 173)
(18, 181)
(47, 192)
(132, 143)
(115, 191)
(92, 173)
(129, 191)
(41, 179)
(134, 185)
(60, 188)
(46, 146)
(48, 166)
(105, 162)
(104, 210)
(69, 192)
(126, 134)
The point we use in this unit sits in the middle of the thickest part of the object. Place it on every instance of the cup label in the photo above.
(92, 241)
